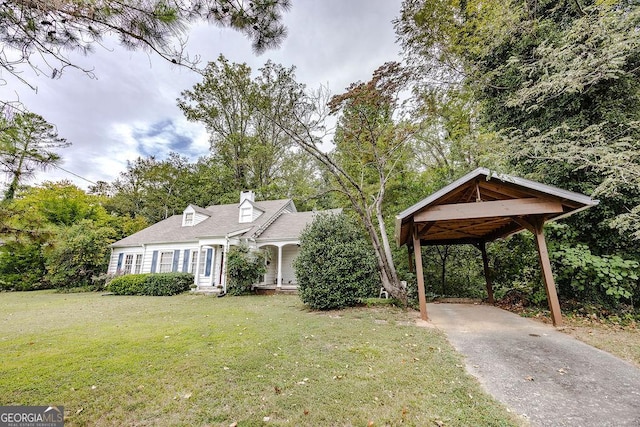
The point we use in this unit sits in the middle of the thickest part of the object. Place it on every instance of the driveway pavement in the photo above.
(546, 376)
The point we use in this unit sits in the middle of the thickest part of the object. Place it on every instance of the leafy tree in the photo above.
(50, 29)
(556, 88)
(151, 188)
(247, 149)
(56, 235)
(336, 267)
(22, 265)
(27, 142)
(60, 204)
(370, 149)
(558, 80)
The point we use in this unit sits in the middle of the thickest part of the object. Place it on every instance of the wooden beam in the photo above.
(459, 241)
(423, 228)
(497, 208)
(422, 299)
(505, 189)
(444, 227)
(545, 265)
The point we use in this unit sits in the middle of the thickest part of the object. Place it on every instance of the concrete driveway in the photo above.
(546, 376)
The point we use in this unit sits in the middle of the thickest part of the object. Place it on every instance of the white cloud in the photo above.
(115, 117)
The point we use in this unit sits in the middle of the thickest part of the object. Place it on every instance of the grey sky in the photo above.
(130, 109)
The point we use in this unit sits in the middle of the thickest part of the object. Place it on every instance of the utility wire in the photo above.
(75, 174)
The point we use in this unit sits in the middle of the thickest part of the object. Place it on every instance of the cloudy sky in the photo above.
(130, 109)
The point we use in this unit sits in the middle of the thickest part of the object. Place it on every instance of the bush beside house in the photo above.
(336, 266)
(244, 268)
(160, 284)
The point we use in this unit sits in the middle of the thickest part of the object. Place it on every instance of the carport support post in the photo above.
(547, 274)
(487, 276)
(417, 253)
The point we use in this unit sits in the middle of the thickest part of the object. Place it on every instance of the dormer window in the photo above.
(246, 214)
(193, 216)
(188, 218)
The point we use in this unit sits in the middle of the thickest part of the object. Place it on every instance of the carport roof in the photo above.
(483, 206)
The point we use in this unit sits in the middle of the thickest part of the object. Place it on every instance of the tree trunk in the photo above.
(386, 267)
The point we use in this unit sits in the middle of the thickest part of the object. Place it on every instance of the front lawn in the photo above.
(266, 360)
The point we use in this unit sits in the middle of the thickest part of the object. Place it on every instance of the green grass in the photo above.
(195, 361)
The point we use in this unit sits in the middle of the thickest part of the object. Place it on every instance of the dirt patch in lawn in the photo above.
(623, 341)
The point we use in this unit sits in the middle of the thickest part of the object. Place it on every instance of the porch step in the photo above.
(205, 290)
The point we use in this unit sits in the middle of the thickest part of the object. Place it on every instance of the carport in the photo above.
(481, 207)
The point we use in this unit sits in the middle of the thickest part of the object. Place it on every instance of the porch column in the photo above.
(279, 280)
(196, 272)
(223, 273)
(487, 276)
(417, 253)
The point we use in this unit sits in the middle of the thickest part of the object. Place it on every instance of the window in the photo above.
(166, 262)
(138, 264)
(203, 261)
(194, 262)
(188, 218)
(246, 214)
(128, 263)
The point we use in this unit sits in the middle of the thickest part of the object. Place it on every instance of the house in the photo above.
(198, 240)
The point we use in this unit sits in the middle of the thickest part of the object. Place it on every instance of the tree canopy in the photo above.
(27, 142)
(40, 33)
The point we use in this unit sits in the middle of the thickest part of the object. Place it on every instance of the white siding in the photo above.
(289, 253)
(256, 214)
(148, 255)
(272, 268)
(199, 218)
(113, 261)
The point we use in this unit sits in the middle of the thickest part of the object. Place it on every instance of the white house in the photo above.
(197, 242)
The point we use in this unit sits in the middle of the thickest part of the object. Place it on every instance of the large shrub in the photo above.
(155, 284)
(515, 267)
(78, 253)
(244, 267)
(21, 266)
(336, 266)
(584, 276)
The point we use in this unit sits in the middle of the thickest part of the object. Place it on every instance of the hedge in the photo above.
(155, 284)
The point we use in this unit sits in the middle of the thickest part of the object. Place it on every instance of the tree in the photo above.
(371, 146)
(556, 85)
(370, 149)
(247, 149)
(56, 235)
(558, 81)
(27, 142)
(50, 29)
(336, 267)
(151, 188)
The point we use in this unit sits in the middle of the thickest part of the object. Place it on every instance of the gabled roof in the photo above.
(253, 204)
(289, 226)
(200, 210)
(223, 220)
(484, 206)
